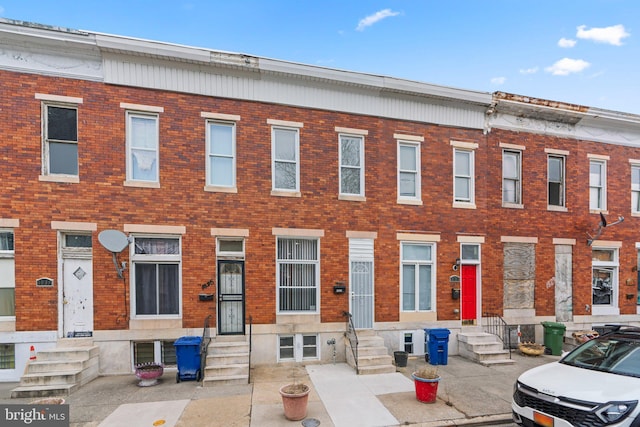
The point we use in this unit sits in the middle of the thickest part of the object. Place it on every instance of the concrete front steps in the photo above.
(373, 357)
(227, 361)
(482, 347)
(61, 370)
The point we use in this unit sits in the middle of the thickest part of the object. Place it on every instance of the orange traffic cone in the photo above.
(32, 353)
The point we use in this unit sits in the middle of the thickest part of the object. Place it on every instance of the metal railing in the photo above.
(204, 345)
(352, 337)
(250, 336)
(496, 325)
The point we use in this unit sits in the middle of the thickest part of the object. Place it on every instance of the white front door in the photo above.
(77, 297)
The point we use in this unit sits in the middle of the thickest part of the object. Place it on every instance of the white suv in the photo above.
(597, 384)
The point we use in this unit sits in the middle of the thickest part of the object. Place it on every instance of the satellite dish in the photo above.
(115, 242)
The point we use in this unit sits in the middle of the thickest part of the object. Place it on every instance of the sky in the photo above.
(583, 52)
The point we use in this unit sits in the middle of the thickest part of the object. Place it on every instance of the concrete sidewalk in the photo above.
(468, 394)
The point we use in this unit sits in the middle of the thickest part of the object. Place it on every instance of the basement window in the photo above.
(7, 356)
(297, 347)
(154, 352)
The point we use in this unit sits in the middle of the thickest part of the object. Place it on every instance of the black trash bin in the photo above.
(437, 345)
(401, 358)
(188, 358)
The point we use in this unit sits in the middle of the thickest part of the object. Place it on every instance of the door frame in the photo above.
(219, 298)
(362, 250)
(65, 252)
(476, 261)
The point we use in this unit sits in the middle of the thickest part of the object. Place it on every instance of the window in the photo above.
(7, 275)
(408, 342)
(417, 276)
(408, 171)
(635, 189)
(7, 356)
(555, 179)
(604, 279)
(286, 157)
(511, 177)
(470, 253)
(597, 185)
(298, 271)
(297, 347)
(156, 273)
(221, 152)
(351, 165)
(60, 148)
(154, 352)
(463, 190)
(231, 247)
(142, 147)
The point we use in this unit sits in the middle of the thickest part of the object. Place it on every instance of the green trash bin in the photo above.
(554, 336)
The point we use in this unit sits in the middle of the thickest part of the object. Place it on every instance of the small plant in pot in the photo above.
(426, 382)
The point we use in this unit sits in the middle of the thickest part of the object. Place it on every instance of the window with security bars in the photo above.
(298, 265)
(7, 356)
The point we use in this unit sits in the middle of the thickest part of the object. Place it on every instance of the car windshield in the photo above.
(613, 354)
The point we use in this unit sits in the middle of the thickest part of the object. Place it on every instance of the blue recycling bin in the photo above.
(188, 358)
(437, 345)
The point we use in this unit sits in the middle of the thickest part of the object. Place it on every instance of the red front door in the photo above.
(469, 296)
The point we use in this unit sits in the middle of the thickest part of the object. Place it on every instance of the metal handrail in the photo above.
(204, 345)
(250, 336)
(352, 336)
(496, 325)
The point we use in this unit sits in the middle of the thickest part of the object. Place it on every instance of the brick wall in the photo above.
(101, 197)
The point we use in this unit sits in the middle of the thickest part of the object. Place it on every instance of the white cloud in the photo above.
(531, 70)
(566, 42)
(567, 66)
(1, 10)
(611, 35)
(498, 80)
(376, 17)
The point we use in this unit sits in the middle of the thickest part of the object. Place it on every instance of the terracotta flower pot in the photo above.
(294, 401)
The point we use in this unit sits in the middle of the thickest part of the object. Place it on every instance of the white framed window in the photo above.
(230, 247)
(60, 139)
(409, 171)
(162, 352)
(298, 274)
(221, 153)
(556, 180)
(7, 275)
(351, 165)
(286, 158)
(463, 172)
(597, 185)
(417, 276)
(413, 342)
(156, 272)
(143, 148)
(604, 280)
(470, 253)
(635, 189)
(512, 177)
(298, 347)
